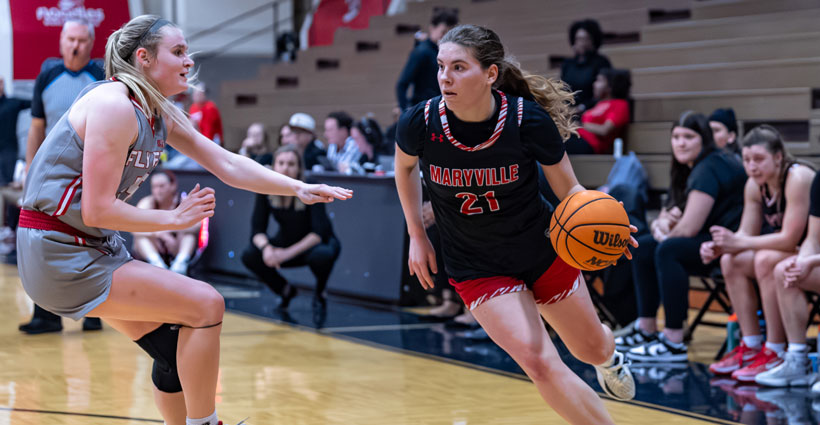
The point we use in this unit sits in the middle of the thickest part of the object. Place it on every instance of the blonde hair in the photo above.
(553, 95)
(120, 63)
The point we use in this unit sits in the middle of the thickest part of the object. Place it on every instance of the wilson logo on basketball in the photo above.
(608, 239)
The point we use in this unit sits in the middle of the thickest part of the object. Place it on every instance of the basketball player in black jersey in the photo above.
(775, 213)
(478, 146)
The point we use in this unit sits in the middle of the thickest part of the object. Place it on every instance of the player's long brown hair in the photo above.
(278, 201)
(772, 141)
(553, 95)
(120, 63)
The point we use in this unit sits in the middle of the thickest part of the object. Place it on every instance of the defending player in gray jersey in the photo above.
(71, 259)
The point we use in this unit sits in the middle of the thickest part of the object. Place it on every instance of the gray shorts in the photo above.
(64, 275)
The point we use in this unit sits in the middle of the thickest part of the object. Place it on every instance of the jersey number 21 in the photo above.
(468, 206)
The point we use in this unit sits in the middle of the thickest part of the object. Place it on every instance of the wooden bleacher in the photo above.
(760, 57)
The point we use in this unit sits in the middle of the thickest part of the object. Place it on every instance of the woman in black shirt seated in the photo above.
(305, 236)
(581, 70)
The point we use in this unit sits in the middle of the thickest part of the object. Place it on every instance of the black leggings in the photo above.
(662, 270)
(320, 259)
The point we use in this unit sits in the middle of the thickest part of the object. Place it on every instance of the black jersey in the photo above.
(774, 207)
(814, 207)
(482, 179)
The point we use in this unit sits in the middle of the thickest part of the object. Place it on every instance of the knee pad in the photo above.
(161, 345)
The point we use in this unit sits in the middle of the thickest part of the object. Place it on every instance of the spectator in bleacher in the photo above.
(165, 249)
(369, 139)
(255, 145)
(793, 276)
(305, 236)
(301, 132)
(581, 70)
(10, 108)
(607, 120)
(342, 151)
(706, 186)
(421, 68)
(775, 212)
(205, 115)
(724, 129)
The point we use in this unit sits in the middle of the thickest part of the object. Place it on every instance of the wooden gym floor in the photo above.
(355, 365)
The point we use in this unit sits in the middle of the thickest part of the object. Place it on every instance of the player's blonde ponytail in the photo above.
(120, 63)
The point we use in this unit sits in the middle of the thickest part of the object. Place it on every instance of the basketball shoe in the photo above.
(633, 337)
(739, 357)
(616, 379)
(795, 371)
(764, 360)
(660, 350)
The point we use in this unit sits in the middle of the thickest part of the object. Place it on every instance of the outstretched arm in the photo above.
(245, 173)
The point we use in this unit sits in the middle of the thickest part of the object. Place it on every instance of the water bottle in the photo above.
(618, 148)
(732, 333)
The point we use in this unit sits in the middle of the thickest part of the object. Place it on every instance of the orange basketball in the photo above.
(589, 230)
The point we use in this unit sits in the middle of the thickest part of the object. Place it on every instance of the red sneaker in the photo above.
(739, 357)
(764, 360)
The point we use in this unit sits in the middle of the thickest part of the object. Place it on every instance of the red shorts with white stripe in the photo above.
(557, 283)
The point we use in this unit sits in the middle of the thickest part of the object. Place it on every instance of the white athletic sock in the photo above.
(777, 347)
(753, 341)
(210, 420)
(801, 349)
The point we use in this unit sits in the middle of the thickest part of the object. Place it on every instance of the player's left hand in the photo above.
(796, 272)
(313, 193)
(632, 242)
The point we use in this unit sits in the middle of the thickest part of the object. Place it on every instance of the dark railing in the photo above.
(238, 18)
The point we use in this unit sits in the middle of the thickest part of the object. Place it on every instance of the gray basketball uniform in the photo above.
(66, 267)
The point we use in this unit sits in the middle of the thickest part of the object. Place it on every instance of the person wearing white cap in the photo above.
(303, 127)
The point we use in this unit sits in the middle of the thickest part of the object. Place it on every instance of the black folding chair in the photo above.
(716, 287)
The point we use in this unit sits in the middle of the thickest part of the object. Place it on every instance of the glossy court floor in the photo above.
(356, 364)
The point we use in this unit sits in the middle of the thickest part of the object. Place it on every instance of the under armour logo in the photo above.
(440, 138)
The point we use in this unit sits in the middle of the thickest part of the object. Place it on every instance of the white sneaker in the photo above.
(815, 387)
(180, 266)
(660, 350)
(795, 371)
(616, 380)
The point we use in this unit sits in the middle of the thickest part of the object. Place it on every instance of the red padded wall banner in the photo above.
(36, 27)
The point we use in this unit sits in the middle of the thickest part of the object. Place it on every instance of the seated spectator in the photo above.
(165, 248)
(301, 132)
(305, 236)
(369, 141)
(706, 189)
(724, 129)
(775, 211)
(607, 120)
(255, 145)
(581, 70)
(342, 151)
(793, 276)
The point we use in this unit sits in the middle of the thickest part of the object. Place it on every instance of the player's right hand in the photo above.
(199, 204)
(422, 260)
(708, 252)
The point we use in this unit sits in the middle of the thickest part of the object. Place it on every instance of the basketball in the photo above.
(589, 230)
